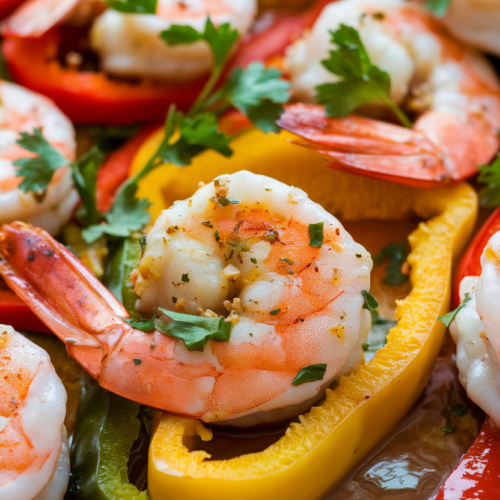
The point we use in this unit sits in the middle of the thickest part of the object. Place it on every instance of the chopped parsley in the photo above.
(287, 260)
(253, 260)
(362, 82)
(395, 255)
(208, 224)
(133, 6)
(316, 235)
(274, 312)
(216, 236)
(371, 302)
(195, 331)
(185, 278)
(145, 325)
(310, 373)
(448, 318)
(137, 361)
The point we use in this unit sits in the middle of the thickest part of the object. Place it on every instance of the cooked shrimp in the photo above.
(34, 461)
(475, 22)
(476, 331)
(22, 111)
(240, 244)
(129, 45)
(454, 91)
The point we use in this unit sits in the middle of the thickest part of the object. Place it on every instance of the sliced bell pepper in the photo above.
(87, 97)
(317, 453)
(8, 6)
(476, 476)
(470, 263)
(106, 428)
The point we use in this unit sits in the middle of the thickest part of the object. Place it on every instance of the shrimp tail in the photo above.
(385, 151)
(62, 292)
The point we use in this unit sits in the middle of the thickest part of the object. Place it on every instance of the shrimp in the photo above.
(240, 244)
(129, 45)
(476, 331)
(34, 458)
(475, 22)
(455, 93)
(23, 111)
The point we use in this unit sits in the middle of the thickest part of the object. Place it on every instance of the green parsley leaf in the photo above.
(216, 236)
(365, 346)
(133, 6)
(437, 7)
(253, 260)
(38, 171)
(459, 409)
(316, 235)
(128, 214)
(489, 196)
(84, 173)
(185, 278)
(196, 136)
(195, 331)
(395, 254)
(208, 224)
(287, 260)
(310, 373)
(145, 325)
(137, 361)
(258, 93)
(221, 40)
(371, 302)
(362, 82)
(448, 318)
(274, 312)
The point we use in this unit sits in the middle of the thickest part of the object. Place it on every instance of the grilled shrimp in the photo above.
(129, 45)
(475, 22)
(283, 271)
(453, 90)
(23, 111)
(476, 331)
(34, 459)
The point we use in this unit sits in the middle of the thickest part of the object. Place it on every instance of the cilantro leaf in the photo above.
(38, 171)
(371, 302)
(221, 40)
(195, 331)
(362, 82)
(437, 7)
(310, 373)
(84, 173)
(127, 214)
(196, 135)
(489, 196)
(145, 325)
(448, 318)
(258, 93)
(133, 6)
(395, 254)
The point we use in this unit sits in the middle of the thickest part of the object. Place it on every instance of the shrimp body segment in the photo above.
(23, 111)
(476, 331)
(239, 245)
(129, 45)
(34, 462)
(475, 22)
(453, 91)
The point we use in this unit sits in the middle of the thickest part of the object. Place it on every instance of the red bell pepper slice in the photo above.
(477, 474)
(8, 6)
(470, 263)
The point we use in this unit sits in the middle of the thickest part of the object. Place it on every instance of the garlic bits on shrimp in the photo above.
(34, 457)
(286, 274)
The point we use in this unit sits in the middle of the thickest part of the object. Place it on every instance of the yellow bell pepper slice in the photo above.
(317, 453)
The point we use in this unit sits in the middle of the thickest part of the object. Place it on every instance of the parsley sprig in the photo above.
(133, 6)
(395, 255)
(448, 318)
(255, 91)
(362, 82)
